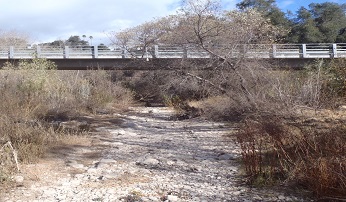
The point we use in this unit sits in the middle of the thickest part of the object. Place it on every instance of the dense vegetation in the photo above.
(286, 130)
(36, 100)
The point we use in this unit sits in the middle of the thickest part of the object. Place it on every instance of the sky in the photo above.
(49, 20)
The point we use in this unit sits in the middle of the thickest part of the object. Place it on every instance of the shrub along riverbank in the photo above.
(35, 98)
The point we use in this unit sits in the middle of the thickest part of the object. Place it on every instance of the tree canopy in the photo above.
(321, 23)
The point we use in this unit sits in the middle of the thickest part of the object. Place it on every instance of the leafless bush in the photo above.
(273, 148)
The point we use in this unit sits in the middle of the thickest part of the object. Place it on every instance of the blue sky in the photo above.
(49, 20)
(294, 5)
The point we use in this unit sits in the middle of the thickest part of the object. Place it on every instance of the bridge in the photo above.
(163, 56)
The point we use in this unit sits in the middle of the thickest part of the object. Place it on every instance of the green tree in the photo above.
(330, 18)
(304, 29)
(76, 41)
(321, 23)
(103, 47)
(59, 43)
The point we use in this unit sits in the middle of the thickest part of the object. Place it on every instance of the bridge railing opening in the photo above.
(341, 50)
(50, 51)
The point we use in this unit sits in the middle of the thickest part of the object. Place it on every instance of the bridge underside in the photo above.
(159, 63)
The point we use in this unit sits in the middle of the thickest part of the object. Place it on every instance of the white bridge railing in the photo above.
(164, 51)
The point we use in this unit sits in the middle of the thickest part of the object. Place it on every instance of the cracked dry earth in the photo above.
(142, 156)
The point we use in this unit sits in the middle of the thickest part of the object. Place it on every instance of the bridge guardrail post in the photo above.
(95, 52)
(11, 52)
(185, 52)
(273, 53)
(334, 51)
(38, 51)
(66, 52)
(156, 51)
(124, 53)
(302, 51)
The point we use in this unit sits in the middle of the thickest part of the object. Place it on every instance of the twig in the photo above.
(14, 152)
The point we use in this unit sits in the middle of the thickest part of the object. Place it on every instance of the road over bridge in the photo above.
(168, 57)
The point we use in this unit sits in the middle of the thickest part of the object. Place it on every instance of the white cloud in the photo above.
(285, 4)
(48, 20)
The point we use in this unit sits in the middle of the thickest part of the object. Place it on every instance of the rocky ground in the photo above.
(142, 156)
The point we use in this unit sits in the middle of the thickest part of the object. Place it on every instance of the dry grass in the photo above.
(34, 96)
(278, 143)
(304, 151)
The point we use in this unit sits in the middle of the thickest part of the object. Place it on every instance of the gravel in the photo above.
(148, 157)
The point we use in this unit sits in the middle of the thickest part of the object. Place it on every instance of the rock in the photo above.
(129, 125)
(108, 161)
(18, 179)
(225, 157)
(170, 163)
(236, 193)
(281, 197)
(75, 126)
(118, 132)
(342, 107)
(172, 198)
(74, 164)
(151, 161)
(151, 198)
(148, 162)
(92, 170)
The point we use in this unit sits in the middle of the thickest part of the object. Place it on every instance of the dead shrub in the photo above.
(33, 96)
(273, 148)
(220, 108)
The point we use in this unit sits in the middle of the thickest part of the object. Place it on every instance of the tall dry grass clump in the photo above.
(296, 144)
(34, 94)
(274, 149)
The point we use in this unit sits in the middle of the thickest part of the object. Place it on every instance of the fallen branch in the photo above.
(222, 90)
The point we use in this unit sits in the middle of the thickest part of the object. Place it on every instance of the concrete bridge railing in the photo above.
(164, 51)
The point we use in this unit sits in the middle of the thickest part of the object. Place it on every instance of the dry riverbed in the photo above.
(142, 155)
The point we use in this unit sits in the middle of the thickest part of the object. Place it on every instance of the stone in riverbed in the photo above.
(172, 198)
(225, 157)
(149, 161)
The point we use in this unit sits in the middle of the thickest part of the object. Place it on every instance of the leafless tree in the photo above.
(138, 41)
(227, 36)
(13, 38)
